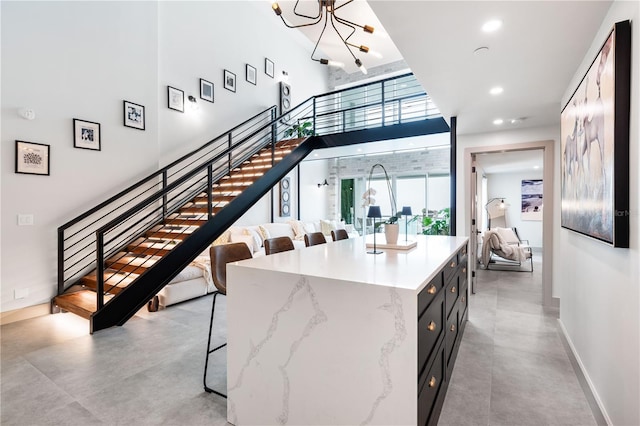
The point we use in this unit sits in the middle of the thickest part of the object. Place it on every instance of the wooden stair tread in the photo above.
(82, 303)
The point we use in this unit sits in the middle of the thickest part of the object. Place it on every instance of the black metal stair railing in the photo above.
(92, 240)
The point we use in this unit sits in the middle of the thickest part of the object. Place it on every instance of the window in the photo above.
(411, 191)
(438, 191)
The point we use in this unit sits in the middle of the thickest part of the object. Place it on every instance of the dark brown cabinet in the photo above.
(442, 314)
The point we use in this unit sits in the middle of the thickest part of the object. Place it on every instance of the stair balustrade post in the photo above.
(314, 115)
(164, 197)
(230, 144)
(344, 121)
(60, 261)
(383, 105)
(100, 269)
(274, 126)
(399, 111)
(209, 191)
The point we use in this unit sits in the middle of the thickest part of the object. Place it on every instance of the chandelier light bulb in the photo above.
(276, 9)
(368, 29)
(362, 68)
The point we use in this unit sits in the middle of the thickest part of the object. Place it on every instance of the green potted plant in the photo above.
(438, 225)
(299, 130)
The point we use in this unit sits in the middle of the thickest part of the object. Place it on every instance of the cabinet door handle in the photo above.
(431, 326)
(431, 289)
(453, 327)
(432, 382)
(453, 289)
(464, 270)
(463, 299)
(453, 264)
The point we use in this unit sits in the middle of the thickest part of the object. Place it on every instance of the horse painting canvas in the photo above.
(594, 149)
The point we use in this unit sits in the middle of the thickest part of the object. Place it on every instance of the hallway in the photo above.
(512, 367)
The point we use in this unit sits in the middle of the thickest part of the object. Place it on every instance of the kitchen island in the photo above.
(333, 335)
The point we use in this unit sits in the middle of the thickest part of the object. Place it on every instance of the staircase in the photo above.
(114, 258)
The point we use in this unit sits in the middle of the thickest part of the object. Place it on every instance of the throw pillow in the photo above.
(263, 232)
(298, 228)
(326, 227)
(508, 235)
(257, 238)
(309, 227)
(222, 239)
(247, 239)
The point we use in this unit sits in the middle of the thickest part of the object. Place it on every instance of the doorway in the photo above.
(474, 195)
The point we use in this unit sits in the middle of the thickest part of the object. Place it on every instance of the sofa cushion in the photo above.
(264, 233)
(278, 230)
(255, 234)
(326, 226)
(222, 239)
(247, 239)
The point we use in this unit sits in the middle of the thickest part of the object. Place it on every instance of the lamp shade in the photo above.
(374, 211)
(406, 211)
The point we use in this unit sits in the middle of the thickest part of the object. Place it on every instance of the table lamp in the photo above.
(406, 211)
(374, 212)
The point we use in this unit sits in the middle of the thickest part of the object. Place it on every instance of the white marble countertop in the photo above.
(348, 260)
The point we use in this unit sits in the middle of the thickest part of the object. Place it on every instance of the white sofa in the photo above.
(195, 280)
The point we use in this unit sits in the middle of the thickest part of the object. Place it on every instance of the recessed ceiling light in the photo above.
(315, 155)
(536, 167)
(498, 121)
(491, 26)
(496, 90)
(359, 149)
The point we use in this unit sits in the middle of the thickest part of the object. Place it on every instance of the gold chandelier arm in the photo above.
(342, 38)
(301, 25)
(318, 42)
(342, 5)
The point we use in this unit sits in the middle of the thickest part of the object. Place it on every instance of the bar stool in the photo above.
(277, 245)
(314, 238)
(220, 256)
(339, 234)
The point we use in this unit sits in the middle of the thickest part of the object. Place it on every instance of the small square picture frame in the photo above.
(252, 75)
(269, 67)
(229, 81)
(206, 90)
(134, 116)
(86, 135)
(32, 158)
(175, 99)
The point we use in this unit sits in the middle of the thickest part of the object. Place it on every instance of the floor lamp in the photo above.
(374, 212)
(406, 211)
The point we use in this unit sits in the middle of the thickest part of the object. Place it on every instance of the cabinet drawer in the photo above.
(450, 269)
(463, 302)
(462, 255)
(428, 293)
(430, 328)
(428, 391)
(462, 278)
(451, 333)
(451, 294)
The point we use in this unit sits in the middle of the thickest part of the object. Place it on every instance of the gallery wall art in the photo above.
(594, 134)
(531, 204)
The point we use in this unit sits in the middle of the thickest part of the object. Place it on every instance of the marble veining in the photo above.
(395, 308)
(318, 318)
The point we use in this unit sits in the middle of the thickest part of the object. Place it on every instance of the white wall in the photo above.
(70, 60)
(314, 201)
(509, 186)
(81, 60)
(599, 285)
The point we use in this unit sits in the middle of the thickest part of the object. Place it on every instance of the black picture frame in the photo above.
(32, 158)
(206, 90)
(134, 115)
(86, 135)
(229, 81)
(594, 138)
(251, 74)
(269, 67)
(175, 99)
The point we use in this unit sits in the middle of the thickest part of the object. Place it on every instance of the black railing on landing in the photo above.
(88, 240)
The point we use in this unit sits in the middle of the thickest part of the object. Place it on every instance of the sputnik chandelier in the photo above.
(327, 12)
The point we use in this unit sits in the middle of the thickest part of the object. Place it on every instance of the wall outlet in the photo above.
(25, 219)
(20, 293)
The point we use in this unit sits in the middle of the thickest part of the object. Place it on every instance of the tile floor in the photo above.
(512, 368)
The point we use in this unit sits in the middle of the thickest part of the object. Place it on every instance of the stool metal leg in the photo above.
(209, 350)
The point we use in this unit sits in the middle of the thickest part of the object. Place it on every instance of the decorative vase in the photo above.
(391, 232)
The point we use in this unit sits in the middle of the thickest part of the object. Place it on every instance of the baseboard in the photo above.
(597, 407)
(25, 313)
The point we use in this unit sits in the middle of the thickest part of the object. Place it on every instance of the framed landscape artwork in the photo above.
(594, 135)
(531, 206)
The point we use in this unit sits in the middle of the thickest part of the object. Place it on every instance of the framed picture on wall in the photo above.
(251, 74)
(133, 115)
(269, 67)
(86, 134)
(32, 158)
(531, 205)
(229, 80)
(594, 145)
(175, 99)
(206, 90)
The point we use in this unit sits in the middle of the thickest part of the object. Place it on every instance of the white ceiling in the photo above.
(533, 56)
